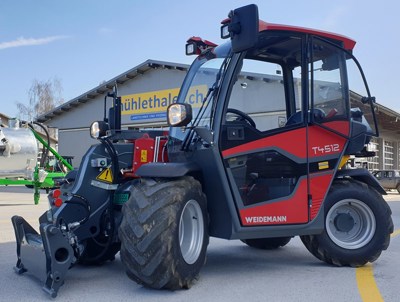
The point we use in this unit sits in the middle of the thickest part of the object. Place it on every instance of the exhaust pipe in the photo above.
(46, 256)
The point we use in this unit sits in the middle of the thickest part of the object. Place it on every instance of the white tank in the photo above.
(18, 152)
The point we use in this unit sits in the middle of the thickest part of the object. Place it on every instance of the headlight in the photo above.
(98, 129)
(225, 31)
(190, 49)
(179, 115)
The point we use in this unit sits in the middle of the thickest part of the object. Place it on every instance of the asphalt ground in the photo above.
(233, 272)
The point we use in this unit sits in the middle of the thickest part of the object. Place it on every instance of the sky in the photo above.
(86, 42)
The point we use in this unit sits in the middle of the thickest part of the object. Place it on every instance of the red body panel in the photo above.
(319, 185)
(321, 142)
(290, 211)
(322, 146)
(144, 152)
(287, 141)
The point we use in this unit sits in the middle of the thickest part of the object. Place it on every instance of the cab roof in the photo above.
(348, 43)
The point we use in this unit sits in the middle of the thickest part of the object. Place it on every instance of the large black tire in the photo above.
(358, 225)
(398, 188)
(267, 243)
(164, 233)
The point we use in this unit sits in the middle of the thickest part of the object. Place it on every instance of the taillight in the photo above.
(55, 199)
(56, 193)
(58, 202)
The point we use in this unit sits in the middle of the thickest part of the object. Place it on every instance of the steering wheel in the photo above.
(242, 116)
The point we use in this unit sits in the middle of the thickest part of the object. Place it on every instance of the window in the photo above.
(268, 87)
(260, 93)
(327, 91)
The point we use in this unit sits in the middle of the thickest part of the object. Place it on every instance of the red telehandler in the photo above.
(260, 157)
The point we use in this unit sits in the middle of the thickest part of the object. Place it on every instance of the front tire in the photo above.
(164, 233)
(358, 225)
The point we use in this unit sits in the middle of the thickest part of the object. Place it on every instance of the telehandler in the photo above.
(261, 157)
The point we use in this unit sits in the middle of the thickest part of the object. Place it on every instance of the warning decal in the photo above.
(105, 175)
(143, 156)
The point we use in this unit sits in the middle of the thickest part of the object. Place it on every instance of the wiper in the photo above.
(212, 91)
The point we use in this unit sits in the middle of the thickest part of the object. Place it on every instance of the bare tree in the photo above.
(43, 97)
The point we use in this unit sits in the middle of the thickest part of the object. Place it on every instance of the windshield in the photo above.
(200, 87)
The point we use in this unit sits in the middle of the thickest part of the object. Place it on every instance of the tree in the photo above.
(43, 97)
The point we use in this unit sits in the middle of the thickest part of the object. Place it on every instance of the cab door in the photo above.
(286, 128)
(263, 141)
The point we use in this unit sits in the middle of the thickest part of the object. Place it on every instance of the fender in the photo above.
(362, 175)
(167, 170)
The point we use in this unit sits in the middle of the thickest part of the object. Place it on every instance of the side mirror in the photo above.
(330, 63)
(179, 114)
(242, 27)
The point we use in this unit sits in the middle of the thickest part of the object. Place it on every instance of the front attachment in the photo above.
(47, 256)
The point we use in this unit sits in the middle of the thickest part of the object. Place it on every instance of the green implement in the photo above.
(45, 174)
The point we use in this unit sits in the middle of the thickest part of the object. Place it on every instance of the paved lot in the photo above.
(233, 271)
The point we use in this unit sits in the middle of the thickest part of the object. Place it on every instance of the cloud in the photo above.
(21, 41)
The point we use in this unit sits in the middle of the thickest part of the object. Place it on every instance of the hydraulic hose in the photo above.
(82, 201)
(45, 150)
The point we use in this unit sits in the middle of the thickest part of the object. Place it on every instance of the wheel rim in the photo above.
(350, 224)
(191, 231)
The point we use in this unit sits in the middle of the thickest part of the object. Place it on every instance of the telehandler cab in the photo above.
(260, 156)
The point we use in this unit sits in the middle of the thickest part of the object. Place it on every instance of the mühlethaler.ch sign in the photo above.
(153, 104)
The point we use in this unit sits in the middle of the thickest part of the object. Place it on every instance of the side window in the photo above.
(259, 92)
(328, 96)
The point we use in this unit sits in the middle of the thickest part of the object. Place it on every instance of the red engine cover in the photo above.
(147, 150)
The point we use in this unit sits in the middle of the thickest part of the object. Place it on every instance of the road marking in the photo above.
(395, 233)
(367, 287)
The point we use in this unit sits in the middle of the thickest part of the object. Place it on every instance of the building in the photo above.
(151, 85)
(146, 91)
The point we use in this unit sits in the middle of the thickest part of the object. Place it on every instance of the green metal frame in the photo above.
(36, 184)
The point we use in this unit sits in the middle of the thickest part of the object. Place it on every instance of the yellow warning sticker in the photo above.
(105, 175)
(143, 156)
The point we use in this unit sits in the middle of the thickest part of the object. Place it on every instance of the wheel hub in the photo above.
(344, 222)
(350, 224)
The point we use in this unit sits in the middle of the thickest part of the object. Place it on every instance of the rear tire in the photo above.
(267, 243)
(398, 188)
(358, 225)
(164, 233)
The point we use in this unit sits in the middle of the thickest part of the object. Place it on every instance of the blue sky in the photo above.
(84, 42)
